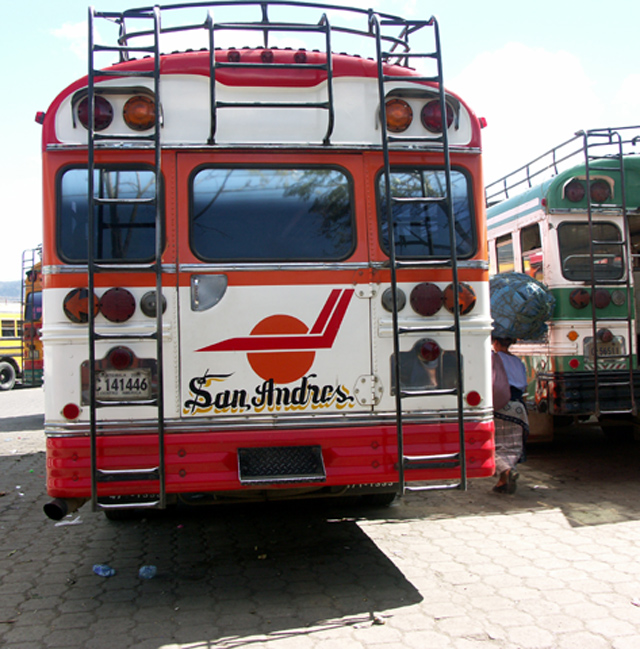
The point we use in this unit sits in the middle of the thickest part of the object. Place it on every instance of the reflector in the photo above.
(120, 358)
(474, 398)
(426, 299)
(71, 411)
(429, 350)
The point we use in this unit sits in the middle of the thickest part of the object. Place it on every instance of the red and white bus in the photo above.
(253, 331)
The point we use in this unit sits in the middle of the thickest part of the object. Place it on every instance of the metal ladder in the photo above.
(408, 463)
(27, 287)
(266, 26)
(95, 266)
(592, 141)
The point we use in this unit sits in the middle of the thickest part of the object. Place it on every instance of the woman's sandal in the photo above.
(511, 481)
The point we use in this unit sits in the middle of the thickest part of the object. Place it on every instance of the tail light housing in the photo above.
(466, 298)
(426, 299)
(429, 350)
(76, 305)
(600, 191)
(139, 113)
(117, 304)
(120, 358)
(574, 191)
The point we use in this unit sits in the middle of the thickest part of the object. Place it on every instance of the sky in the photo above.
(537, 72)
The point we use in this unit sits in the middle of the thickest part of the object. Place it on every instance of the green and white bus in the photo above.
(571, 219)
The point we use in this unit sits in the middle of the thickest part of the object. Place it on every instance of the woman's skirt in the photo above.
(512, 429)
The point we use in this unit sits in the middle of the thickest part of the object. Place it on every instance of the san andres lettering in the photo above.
(267, 396)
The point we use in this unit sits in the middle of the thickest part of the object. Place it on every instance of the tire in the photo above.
(7, 376)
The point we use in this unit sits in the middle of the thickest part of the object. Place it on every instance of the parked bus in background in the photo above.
(571, 219)
(32, 356)
(282, 288)
(10, 347)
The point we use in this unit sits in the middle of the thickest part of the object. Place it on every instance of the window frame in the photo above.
(382, 214)
(159, 178)
(273, 260)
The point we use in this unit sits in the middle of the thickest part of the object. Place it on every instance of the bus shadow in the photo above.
(21, 423)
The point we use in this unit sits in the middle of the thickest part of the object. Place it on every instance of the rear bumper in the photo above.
(207, 462)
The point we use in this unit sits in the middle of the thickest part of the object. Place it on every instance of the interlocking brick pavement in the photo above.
(554, 566)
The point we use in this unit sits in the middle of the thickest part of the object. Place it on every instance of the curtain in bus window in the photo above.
(531, 247)
(271, 214)
(122, 231)
(422, 227)
(504, 253)
(575, 251)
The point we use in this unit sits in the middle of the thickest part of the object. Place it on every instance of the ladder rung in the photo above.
(426, 329)
(409, 55)
(273, 104)
(387, 77)
(124, 137)
(123, 48)
(616, 412)
(124, 268)
(124, 73)
(433, 487)
(419, 199)
(124, 336)
(147, 504)
(125, 201)
(415, 138)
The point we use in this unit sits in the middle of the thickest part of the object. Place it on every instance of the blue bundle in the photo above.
(520, 306)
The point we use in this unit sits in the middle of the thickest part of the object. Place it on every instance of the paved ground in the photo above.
(554, 566)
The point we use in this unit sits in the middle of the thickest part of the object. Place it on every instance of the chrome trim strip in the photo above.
(68, 269)
(270, 266)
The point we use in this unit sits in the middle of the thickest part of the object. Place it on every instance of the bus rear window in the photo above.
(422, 228)
(123, 231)
(575, 251)
(271, 214)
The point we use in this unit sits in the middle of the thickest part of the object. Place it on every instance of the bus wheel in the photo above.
(7, 376)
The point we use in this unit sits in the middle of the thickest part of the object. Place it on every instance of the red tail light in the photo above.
(474, 398)
(579, 298)
(429, 350)
(120, 358)
(602, 298)
(431, 116)
(466, 298)
(117, 304)
(604, 335)
(426, 299)
(76, 305)
(102, 116)
(600, 191)
(71, 411)
(574, 191)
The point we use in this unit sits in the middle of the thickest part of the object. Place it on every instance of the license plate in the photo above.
(605, 350)
(125, 385)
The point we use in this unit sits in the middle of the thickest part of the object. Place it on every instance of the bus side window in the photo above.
(531, 246)
(504, 254)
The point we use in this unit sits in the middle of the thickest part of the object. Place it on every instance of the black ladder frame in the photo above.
(408, 463)
(93, 267)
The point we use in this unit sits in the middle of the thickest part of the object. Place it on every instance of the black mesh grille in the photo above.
(277, 464)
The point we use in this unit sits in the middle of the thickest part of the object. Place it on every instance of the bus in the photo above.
(10, 348)
(570, 218)
(32, 356)
(265, 268)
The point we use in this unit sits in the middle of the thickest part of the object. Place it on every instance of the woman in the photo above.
(511, 423)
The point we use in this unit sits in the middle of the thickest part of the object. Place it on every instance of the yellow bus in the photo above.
(10, 349)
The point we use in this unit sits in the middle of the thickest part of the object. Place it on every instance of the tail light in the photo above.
(579, 298)
(399, 115)
(604, 335)
(233, 56)
(600, 191)
(474, 398)
(102, 113)
(139, 113)
(76, 305)
(602, 298)
(466, 298)
(431, 116)
(120, 358)
(429, 350)
(71, 411)
(426, 299)
(387, 299)
(266, 56)
(574, 191)
(117, 304)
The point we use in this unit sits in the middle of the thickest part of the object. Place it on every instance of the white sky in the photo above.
(538, 72)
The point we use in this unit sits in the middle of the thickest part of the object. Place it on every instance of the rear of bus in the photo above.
(276, 309)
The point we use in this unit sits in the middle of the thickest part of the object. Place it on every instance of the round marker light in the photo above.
(266, 56)
(139, 113)
(618, 297)
(399, 115)
(474, 398)
(300, 56)
(117, 304)
(71, 411)
(431, 116)
(466, 298)
(572, 335)
(233, 56)
(102, 115)
(602, 298)
(574, 363)
(426, 299)
(574, 191)
(600, 191)
(429, 350)
(387, 299)
(120, 358)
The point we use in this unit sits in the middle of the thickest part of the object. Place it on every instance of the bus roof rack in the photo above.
(606, 141)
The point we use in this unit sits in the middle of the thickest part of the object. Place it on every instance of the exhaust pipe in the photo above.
(58, 508)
